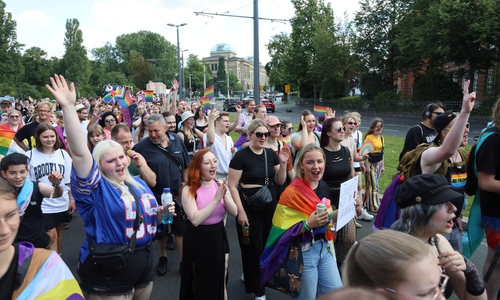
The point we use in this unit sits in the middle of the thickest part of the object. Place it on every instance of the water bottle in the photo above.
(166, 200)
(246, 234)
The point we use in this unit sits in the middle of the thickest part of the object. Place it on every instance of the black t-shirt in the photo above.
(322, 191)
(488, 161)
(417, 135)
(253, 165)
(457, 176)
(27, 134)
(9, 278)
(32, 228)
(190, 144)
(337, 166)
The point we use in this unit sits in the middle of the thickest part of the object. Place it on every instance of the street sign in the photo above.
(287, 88)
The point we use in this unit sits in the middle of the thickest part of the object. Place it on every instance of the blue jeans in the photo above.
(320, 274)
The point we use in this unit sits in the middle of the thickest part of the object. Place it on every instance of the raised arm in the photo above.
(214, 114)
(233, 125)
(175, 88)
(66, 97)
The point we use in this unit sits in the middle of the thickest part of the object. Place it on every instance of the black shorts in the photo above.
(357, 169)
(55, 219)
(139, 273)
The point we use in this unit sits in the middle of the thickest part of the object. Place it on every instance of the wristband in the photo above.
(306, 225)
(474, 283)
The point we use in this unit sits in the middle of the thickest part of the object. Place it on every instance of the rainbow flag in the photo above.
(107, 98)
(6, 136)
(205, 103)
(209, 92)
(126, 101)
(149, 95)
(319, 111)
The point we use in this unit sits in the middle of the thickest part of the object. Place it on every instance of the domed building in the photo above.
(242, 67)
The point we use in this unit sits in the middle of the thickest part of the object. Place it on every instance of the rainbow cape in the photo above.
(6, 136)
(296, 204)
(319, 111)
(205, 103)
(209, 92)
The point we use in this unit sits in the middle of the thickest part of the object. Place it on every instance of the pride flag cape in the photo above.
(297, 203)
(319, 111)
(6, 136)
(209, 92)
(205, 103)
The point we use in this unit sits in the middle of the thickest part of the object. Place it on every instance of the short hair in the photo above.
(381, 259)
(221, 114)
(10, 112)
(42, 127)
(116, 130)
(284, 124)
(102, 121)
(13, 159)
(254, 124)
(248, 101)
(39, 104)
(299, 172)
(156, 118)
(167, 114)
(327, 126)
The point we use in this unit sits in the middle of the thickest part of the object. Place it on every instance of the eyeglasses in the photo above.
(262, 134)
(439, 289)
(339, 129)
(110, 120)
(43, 111)
(353, 123)
(14, 117)
(11, 219)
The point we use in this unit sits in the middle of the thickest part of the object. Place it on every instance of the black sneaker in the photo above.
(161, 268)
(65, 226)
(170, 242)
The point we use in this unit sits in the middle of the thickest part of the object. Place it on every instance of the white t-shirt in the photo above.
(41, 166)
(84, 125)
(358, 140)
(222, 154)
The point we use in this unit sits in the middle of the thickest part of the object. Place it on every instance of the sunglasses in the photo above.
(467, 125)
(262, 134)
(290, 129)
(14, 117)
(353, 123)
(437, 113)
(339, 129)
(110, 121)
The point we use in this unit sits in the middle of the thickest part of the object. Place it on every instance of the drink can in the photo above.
(320, 208)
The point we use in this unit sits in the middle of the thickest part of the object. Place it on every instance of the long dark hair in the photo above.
(327, 126)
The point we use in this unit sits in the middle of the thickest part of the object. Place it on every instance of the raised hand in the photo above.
(55, 178)
(214, 114)
(64, 94)
(469, 98)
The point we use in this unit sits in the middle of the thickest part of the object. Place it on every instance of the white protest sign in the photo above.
(347, 201)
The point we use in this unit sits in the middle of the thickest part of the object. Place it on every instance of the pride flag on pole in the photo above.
(209, 92)
(205, 103)
(149, 95)
(126, 101)
(319, 111)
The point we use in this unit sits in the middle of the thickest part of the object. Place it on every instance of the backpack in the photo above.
(409, 165)
(471, 185)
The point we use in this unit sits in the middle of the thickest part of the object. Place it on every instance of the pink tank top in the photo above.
(204, 195)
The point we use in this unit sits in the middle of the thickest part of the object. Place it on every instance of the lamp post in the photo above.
(178, 50)
(190, 90)
(183, 82)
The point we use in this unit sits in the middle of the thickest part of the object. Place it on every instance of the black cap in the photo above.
(425, 189)
(5, 102)
(441, 121)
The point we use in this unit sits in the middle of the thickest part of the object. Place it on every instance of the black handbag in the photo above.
(288, 278)
(110, 258)
(377, 157)
(263, 197)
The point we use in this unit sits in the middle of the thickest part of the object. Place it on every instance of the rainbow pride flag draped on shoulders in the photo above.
(296, 204)
(6, 136)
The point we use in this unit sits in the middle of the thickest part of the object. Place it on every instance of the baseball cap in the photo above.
(425, 189)
(441, 121)
(272, 120)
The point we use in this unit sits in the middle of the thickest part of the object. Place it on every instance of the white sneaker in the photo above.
(261, 298)
(365, 215)
(242, 277)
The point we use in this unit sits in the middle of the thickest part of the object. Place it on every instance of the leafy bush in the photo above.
(349, 102)
(386, 99)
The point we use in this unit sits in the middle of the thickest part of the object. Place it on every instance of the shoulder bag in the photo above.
(288, 277)
(263, 197)
(377, 157)
(110, 258)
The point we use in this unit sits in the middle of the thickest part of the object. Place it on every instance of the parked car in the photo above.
(268, 104)
(230, 104)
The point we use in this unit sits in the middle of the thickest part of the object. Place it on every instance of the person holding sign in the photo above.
(296, 217)
(338, 169)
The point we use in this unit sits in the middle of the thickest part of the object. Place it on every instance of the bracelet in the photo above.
(56, 185)
(306, 225)
(71, 201)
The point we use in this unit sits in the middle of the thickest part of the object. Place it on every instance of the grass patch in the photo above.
(393, 147)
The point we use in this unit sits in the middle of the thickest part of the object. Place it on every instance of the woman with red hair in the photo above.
(205, 203)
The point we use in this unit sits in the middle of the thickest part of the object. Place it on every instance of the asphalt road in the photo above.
(167, 287)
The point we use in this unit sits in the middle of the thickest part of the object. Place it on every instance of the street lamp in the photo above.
(183, 82)
(190, 90)
(178, 50)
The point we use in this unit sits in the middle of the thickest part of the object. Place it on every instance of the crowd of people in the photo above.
(80, 155)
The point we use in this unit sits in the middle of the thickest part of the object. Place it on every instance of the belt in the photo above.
(319, 236)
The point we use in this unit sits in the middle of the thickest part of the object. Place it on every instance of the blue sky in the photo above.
(42, 23)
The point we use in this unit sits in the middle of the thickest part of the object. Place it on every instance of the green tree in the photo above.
(139, 70)
(37, 66)
(278, 49)
(376, 44)
(75, 62)
(161, 54)
(234, 83)
(222, 76)
(195, 68)
(10, 50)
(107, 55)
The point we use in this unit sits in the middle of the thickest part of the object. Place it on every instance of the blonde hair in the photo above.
(256, 123)
(310, 147)
(381, 259)
(99, 151)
